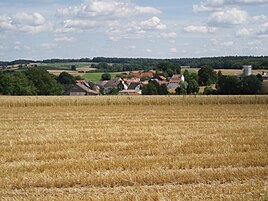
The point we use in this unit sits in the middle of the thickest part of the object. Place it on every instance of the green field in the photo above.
(64, 66)
(95, 77)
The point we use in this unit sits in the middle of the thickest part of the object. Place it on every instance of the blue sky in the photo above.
(40, 29)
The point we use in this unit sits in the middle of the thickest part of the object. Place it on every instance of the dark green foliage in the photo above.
(168, 69)
(182, 89)
(73, 67)
(6, 84)
(145, 78)
(250, 85)
(259, 76)
(207, 76)
(106, 76)
(193, 87)
(103, 65)
(44, 82)
(114, 91)
(30, 82)
(78, 77)
(22, 85)
(16, 84)
(131, 64)
(209, 91)
(228, 85)
(154, 88)
(66, 78)
(186, 75)
(233, 85)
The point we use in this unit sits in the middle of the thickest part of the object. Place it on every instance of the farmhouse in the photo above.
(109, 85)
(82, 88)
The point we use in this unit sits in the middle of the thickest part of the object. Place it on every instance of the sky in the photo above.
(43, 29)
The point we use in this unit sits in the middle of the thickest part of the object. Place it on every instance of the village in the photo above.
(132, 83)
(128, 84)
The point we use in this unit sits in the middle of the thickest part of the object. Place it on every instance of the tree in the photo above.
(207, 76)
(182, 89)
(73, 67)
(228, 85)
(164, 65)
(22, 85)
(259, 76)
(149, 89)
(16, 84)
(154, 88)
(209, 91)
(193, 87)
(6, 86)
(106, 76)
(186, 75)
(251, 85)
(103, 65)
(44, 82)
(66, 78)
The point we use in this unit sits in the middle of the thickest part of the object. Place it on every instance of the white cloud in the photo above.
(260, 18)
(199, 29)
(136, 30)
(263, 31)
(153, 23)
(64, 39)
(79, 24)
(233, 16)
(25, 22)
(107, 9)
(243, 32)
(216, 5)
(118, 18)
(169, 35)
(218, 42)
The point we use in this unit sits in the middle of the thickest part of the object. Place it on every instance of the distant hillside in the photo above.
(231, 62)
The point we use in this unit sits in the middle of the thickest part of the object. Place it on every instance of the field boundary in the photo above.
(28, 101)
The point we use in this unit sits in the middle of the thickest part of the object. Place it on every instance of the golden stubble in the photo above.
(134, 148)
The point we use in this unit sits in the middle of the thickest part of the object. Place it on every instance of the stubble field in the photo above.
(134, 148)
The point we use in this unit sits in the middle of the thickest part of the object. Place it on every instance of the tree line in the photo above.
(228, 62)
(34, 82)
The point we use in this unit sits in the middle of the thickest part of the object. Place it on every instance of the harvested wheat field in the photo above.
(134, 148)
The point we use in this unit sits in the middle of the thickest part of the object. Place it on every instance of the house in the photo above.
(177, 78)
(160, 77)
(141, 74)
(172, 86)
(82, 88)
(134, 86)
(109, 85)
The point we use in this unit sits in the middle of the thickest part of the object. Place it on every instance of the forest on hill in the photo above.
(230, 62)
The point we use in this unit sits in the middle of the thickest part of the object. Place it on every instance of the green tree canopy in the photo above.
(66, 78)
(251, 85)
(44, 82)
(207, 76)
(193, 87)
(106, 76)
(182, 89)
(154, 88)
(228, 85)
